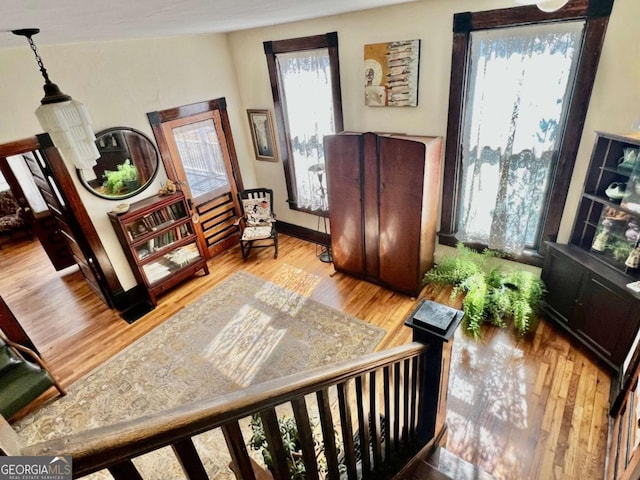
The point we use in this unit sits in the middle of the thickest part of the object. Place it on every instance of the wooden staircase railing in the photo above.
(388, 405)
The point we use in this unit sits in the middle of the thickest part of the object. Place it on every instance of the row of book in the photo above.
(155, 220)
(167, 238)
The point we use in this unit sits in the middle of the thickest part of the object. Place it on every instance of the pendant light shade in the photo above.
(66, 120)
(545, 5)
(551, 5)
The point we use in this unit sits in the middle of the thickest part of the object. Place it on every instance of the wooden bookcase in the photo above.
(159, 240)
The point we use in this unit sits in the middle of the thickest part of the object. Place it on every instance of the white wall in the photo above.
(614, 106)
(120, 82)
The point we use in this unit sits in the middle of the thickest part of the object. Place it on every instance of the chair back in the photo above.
(257, 206)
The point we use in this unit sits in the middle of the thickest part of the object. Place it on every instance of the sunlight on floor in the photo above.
(502, 392)
(298, 284)
(244, 345)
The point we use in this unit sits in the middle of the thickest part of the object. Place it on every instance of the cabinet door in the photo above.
(402, 171)
(563, 278)
(343, 164)
(606, 318)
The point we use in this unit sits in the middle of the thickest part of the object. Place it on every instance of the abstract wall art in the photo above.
(391, 73)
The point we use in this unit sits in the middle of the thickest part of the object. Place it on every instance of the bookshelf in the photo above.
(160, 243)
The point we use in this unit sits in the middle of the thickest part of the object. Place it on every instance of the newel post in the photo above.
(434, 325)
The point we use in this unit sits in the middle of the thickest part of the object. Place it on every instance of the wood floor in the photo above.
(520, 408)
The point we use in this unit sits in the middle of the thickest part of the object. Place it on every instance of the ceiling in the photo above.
(71, 21)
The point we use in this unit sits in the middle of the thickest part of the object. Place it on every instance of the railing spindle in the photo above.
(405, 398)
(238, 451)
(189, 460)
(414, 397)
(363, 426)
(274, 441)
(388, 414)
(396, 405)
(125, 471)
(374, 419)
(347, 430)
(305, 434)
(328, 434)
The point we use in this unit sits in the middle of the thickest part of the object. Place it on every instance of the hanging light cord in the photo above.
(38, 59)
(52, 93)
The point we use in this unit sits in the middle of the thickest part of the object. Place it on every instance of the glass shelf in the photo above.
(162, 240)
(170, 263)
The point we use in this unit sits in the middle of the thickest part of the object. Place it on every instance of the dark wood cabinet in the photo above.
(159, 240)
(383, 206)
(587, 283)
(590, 302)
(587, 280)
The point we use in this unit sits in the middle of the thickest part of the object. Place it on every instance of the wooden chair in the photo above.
(258, 222)
(24, 376)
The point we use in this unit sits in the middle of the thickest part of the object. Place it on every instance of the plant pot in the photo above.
(132, 185)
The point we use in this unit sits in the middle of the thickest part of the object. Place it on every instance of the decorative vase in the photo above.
(600, 243)
(628, 159)
(633, 260)
(615, 191)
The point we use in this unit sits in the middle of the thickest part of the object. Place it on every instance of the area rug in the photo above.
(244, 331)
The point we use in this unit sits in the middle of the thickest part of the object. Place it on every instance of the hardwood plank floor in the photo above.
(532, 407)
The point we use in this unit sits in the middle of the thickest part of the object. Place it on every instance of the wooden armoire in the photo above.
(384, 193)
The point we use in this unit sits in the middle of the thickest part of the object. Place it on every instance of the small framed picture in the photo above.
(262, 134)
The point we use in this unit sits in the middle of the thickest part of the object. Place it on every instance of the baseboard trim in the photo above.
(303, 233)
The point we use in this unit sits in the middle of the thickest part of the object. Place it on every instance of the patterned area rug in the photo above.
(242, 332)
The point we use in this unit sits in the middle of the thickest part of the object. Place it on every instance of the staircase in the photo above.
(389, 404)
(441, 464)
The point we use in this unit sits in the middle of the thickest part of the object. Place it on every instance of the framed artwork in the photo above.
(391, 74)
(264, 143)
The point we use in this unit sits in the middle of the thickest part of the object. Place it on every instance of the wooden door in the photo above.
(343, 156)
(402, 174)
(72, 221)
(12, 329)
(197, 149)
(41, 223)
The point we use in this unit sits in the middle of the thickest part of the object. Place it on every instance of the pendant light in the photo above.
(66, 120)
(545, 5)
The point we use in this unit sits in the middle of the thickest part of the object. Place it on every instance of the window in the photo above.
(305, 81)
(515, 123)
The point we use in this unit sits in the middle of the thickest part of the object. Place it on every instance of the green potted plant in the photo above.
(492, 293)
(125, 177)
(291, 443)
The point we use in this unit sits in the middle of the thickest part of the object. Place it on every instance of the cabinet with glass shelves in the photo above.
(159, 240)
(607, 223)
(589, 279)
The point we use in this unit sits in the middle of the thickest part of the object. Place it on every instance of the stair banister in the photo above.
(413, 379)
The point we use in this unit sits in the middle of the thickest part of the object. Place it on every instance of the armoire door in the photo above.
(345, 201)
(401, 189)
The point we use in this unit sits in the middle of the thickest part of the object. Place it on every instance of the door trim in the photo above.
(217, 109)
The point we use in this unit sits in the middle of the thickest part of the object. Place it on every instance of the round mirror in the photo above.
(127, 165)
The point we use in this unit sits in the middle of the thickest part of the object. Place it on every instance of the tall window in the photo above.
(515, 123)
(305, 81)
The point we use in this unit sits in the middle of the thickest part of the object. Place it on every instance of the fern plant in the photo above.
(492, 294)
